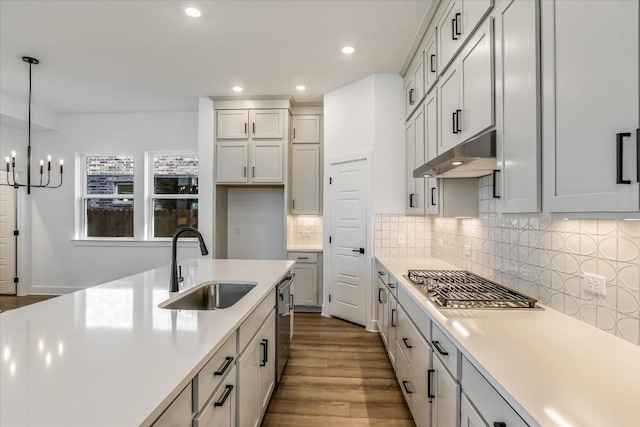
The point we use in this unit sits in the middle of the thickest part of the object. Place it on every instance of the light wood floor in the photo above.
(338, 375)
(9, 302)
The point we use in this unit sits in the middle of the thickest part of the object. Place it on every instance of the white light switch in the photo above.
(467, 250)
(594, 283)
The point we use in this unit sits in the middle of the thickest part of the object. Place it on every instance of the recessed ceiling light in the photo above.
(348, 50)
(426, 175)
(456, 163)
(193, 12)
(300, 87)
(237, 89)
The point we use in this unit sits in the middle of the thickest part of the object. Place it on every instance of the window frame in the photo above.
(81, 179)
(150, 196)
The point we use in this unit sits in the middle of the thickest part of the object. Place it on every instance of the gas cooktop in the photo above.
(462, 289)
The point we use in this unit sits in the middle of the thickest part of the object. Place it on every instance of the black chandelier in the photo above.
(11, 161)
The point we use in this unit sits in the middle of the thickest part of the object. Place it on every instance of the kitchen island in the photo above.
(553, 370)
(108, 356)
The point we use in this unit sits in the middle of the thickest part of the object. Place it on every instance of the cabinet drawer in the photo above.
(416, 313)
(382, 273)
(415, 349)
(250, 326)
(416, 400)
(215, 370)
(491, 406)
(220, 410)
(179, 412)
(303, 257)
(469, 417)
(446, 350)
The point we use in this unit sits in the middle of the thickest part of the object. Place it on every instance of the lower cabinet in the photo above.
(256, 376)
(383, 312)
(446, 391)
(220, 410)
(469, 417)
(308, 271)
(416, 399)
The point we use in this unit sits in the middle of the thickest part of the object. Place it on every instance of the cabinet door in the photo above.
(231, 161)
(248, 415)
(446, 391)
(305, 179)
(590, 100)
(476, 72)
(415, 134)
(306, 284)
(232, 124)
(418, 75)
(266, 363)
(267, 124)
(409, 92)
(450, 109)
(221, 409)
(393, 328)
(266, 162)
(431, 63)
(517, 107)
(306, 130)
(382, 311)
(431, 151)
(469, 417)
(449, 33)
(416, 399)
(472, 13)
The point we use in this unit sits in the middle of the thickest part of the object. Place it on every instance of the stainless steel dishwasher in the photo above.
(283, 324)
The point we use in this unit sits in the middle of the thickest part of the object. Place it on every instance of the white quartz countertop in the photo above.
(304, 248)
(553, 369)
(108, 356)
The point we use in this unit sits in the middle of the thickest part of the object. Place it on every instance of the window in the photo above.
(106, 212)
(173, 193)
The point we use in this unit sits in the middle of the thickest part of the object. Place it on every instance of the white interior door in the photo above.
(349, 281)
(6, 239)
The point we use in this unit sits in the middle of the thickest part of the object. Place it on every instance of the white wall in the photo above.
(255, 228)
(368, 115)
(59, 264)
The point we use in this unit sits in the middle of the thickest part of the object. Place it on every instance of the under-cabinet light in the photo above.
(348, 50)
(193, 12)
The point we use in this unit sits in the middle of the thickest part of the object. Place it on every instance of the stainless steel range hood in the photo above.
(471, 159)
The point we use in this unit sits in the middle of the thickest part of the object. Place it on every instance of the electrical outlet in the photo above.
(401, 238)
(440, 243)
(467, 250)
(594, 283)
(306, 234)
(237, 230)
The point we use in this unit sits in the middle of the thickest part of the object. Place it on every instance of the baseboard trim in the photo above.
(52, 290)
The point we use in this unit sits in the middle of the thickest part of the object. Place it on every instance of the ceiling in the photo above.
(147, 55)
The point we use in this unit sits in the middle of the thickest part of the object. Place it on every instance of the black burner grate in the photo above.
(461, 289)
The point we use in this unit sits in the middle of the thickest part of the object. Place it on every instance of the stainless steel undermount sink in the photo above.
(210, 296)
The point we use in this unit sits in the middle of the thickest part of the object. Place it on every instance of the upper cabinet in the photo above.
(517, 106)
(306, 165)
(250, 146)
(415, 156)
(305, 129)
(466, 91)
(591, 105)
(458, 21)
(431, 61)
(414, 83)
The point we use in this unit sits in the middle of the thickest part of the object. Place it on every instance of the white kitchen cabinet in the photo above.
(306, 271)
(232, 161)
(256, 377)
(517, 107)
(220, 410)
(392, 327)
(250, 146)
(232, 124)
(306, 129)
(466, 91)
(431, 151)
(383, 312)
(469, 417)
(458, 22)
(214, 373)
(430, 61)
(414, 82)
(415, 156)
(445, 390)
(416, 399)
(591, 105)
(179, 413)
(488, 402)
(267, 162)
(305, 179)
